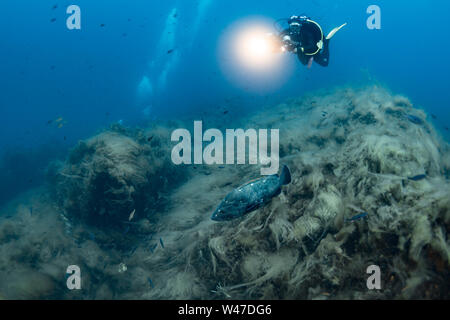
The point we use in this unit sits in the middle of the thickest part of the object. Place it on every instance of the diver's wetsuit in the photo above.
(307, 39)
(322, 57)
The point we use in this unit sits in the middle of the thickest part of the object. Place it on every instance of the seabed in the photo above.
(349, 151)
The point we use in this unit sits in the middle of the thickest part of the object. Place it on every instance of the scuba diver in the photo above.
(305, 38)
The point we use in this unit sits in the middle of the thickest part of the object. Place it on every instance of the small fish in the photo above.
(49, 122)
(132, 215)
(221, 167)
(150, 139)
(65, 138)
(52, 19)
(127, 228)
(60, 125)
(225, 112)
(31, 210)
(414, 119)
(161, 242)
(446, 128)
(418, 177)
(60, 119)
(251, 196)
(324, 113)
(52, 67)
(153, 247)
(357, 217)
(102, 25)
(433, 116)
(150, 282)
(54, 7)
(170, 51)
(91, 236)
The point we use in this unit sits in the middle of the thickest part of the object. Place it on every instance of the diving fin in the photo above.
(333, 32)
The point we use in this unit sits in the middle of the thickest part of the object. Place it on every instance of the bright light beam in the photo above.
(251, 56)
(254, 49)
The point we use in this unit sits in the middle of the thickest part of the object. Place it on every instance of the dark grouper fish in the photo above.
(251, 196)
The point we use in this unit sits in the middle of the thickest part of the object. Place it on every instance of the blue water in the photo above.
(89, 77)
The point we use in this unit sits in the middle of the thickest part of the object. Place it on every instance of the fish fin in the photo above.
(285, 177)
(252, 207)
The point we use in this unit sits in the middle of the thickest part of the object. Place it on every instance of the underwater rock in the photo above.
(365, 170)
(307, 243)
(112, 174)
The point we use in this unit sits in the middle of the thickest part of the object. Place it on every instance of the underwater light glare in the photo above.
(253, 49)
(250, 57)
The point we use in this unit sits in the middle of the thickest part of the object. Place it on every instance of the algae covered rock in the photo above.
(111, 175)
(353, 202)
